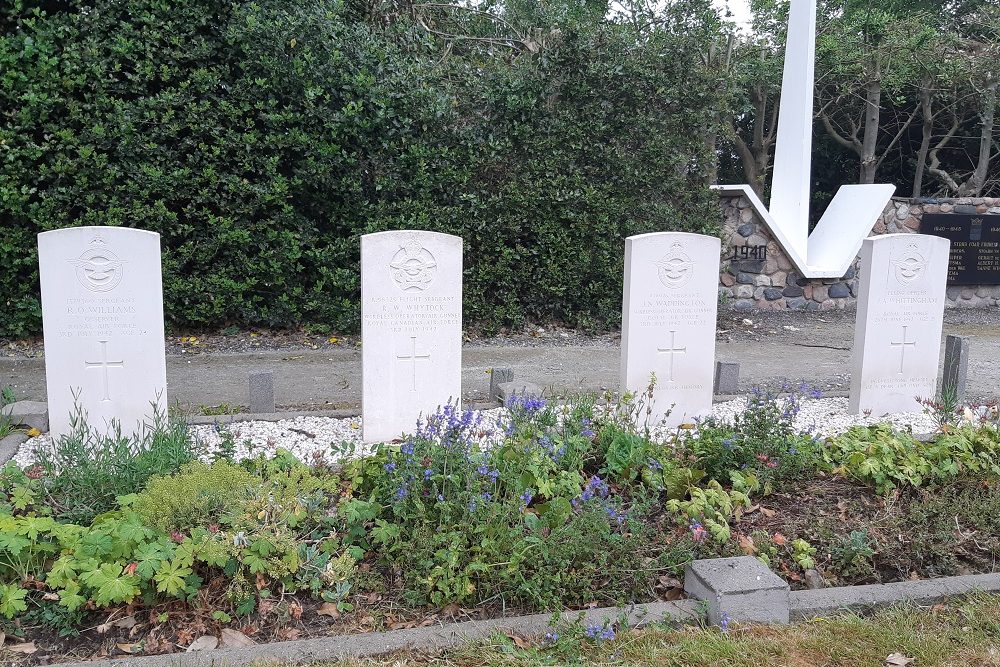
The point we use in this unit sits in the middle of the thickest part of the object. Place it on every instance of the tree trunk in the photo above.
(974, 186)
(869, 161)
(926, 101)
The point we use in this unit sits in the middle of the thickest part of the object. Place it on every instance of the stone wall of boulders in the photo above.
(757, 274)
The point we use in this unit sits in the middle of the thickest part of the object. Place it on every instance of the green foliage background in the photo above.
(261, 139)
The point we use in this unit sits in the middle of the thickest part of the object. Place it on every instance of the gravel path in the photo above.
(309, 438)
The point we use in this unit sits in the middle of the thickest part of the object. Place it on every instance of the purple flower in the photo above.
(402, 492)
(427, 473)
(608, 634)
(407, 448)
(727, 443)
(389, 467)
(526, 497)
(551, 637)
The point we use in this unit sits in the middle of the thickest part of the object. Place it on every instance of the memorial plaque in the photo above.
(975, 246)
(411, 331)
(102, 318)
(897, 334)
(668, 321)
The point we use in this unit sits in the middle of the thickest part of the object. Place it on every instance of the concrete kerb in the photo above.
(810, 604)
(445, 636)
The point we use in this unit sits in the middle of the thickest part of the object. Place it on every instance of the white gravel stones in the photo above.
(310, 437)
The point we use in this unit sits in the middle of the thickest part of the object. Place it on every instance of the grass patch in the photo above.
(960, 633)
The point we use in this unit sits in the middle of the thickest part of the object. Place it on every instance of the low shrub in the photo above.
(529, 520)
(887, 459)
(197, 495)
(85, 471)
(761, 442)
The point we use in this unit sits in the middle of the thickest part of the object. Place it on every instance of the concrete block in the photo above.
(727, 378)
(498, 376)
(956, 365)
(508, 390)
(741, 590)
(28, 414)
(10, 444)
(262, 392)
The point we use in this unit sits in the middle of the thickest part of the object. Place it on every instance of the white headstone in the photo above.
(102, 317)
(897, 335)
(411, 331)
(668, 321)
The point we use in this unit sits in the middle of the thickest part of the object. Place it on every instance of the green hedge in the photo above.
(260, 139)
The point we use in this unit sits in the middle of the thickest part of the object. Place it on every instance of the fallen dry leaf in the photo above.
(203, 643)
(235, 639)
(746, 543)
(767, 512)
(779, 539)
(27, 648)
(519, 641)
(898, 660)
(328, 609)
(127, 648)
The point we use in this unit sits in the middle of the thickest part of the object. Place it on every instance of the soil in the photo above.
(823, 511)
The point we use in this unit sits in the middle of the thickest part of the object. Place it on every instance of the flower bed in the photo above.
(112, 545)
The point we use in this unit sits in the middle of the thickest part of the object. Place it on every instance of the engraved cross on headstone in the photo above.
(104, 364)
(672, 350)
(412, 358)
(902, 345)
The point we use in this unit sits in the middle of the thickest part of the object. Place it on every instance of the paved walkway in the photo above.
(771, 350)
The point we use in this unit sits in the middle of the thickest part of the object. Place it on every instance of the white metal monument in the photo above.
(834, 243)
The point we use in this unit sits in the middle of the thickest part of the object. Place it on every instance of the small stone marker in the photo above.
(897, 335)
(956, 366)
(499, 376)
(261, 387)
(727, 378)
(668, 321)
(411, 331)
(102, 317)
(738, 590)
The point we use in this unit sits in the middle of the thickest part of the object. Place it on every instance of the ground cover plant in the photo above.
(551, 507)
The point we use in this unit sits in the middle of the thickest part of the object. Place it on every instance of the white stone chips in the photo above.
(668, 321)
(102, 316)
(411, 311)
(897, 335)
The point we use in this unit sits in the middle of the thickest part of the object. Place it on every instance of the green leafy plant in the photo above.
(762, 440)
(198, 494)
(853, 554)
(86, 470)
(887, 459)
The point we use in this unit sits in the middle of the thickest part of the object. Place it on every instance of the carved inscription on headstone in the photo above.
(897, 337)
(102, 315)
(411, 307)
(668, 321)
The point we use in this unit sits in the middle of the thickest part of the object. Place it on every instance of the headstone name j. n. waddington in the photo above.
(668, 322)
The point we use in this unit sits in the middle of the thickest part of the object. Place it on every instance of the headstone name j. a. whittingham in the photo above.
(897, 335)
(102, 317)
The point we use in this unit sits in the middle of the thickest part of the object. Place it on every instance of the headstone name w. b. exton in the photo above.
(897, 335)
(668, 321)
(102, 316)
(411, 311)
